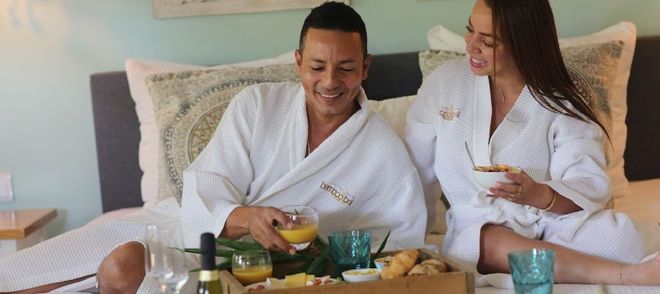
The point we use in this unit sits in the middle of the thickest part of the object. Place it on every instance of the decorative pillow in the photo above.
(137, 70)
(394, 111)
(607, 77)
(188, 107)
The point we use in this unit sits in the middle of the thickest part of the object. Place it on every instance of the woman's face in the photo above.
(486, 50)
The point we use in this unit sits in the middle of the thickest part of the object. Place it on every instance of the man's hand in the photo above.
(260, 223)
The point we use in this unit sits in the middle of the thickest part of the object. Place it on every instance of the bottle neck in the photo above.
(209, 275)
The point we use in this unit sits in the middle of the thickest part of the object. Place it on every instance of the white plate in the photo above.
(265, 284)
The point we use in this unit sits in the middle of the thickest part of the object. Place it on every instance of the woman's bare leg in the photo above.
(571, 267)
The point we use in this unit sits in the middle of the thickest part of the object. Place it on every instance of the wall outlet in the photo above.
(6, 191)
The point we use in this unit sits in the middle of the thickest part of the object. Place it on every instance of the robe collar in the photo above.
(302, 167)
(482, 142)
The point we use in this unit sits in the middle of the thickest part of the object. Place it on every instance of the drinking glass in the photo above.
(531, 270)
(251, 266)
(349, 250)
(305, 225)
(165, 259)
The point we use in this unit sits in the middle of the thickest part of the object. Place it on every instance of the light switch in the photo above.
(6, 192)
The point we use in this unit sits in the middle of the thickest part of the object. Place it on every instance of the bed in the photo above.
(117, 131)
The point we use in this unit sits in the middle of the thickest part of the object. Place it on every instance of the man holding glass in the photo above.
(313, 143)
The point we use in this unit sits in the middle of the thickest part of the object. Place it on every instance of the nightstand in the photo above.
(23, 228)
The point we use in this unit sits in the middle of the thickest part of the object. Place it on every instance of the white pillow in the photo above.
(136, 71)
(625, 32)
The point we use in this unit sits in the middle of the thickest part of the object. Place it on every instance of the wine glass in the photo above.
(251, 266)
(165, 259)
(305, 225)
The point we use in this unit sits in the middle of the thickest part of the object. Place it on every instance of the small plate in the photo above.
(361, 275)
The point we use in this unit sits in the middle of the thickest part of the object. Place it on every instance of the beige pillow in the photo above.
(136, 71)
(607, 77)
(394, 111)
(188, 107)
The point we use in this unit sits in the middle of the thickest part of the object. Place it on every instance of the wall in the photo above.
(48, 49)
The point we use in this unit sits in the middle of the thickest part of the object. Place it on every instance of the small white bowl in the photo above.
(361, 275)
(488, 179)
(383, 261)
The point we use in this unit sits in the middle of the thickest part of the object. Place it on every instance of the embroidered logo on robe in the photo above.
(449, 113)
(342, 197)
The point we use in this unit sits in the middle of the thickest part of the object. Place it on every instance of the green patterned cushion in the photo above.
(188, 107)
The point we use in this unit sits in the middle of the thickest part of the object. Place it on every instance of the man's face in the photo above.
(331, 70)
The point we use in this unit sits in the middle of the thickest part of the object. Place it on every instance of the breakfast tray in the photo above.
(453, 281)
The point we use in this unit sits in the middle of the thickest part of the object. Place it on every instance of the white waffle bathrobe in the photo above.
(359, 178)
(454, 107)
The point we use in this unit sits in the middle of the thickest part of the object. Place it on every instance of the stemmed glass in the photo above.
(251, 266)
(165, 259)
(305, 225)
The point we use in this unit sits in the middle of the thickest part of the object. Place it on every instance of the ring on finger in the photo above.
(518, 191)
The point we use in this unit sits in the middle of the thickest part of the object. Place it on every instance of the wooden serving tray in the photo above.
(453, 281)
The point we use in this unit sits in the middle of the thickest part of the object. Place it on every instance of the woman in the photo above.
(513, 102)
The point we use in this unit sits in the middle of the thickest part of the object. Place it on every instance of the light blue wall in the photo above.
(48, 49)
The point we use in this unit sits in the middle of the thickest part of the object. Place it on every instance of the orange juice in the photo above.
(300, 233)
(252, 274)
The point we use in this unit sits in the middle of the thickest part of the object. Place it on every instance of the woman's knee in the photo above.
(122, 271)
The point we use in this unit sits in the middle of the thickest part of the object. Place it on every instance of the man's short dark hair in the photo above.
(334, 16)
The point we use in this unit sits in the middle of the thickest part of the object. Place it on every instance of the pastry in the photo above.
(428, 267)
(402, 263)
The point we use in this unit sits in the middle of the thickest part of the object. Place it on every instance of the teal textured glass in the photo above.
(349, 250)
(532, 270)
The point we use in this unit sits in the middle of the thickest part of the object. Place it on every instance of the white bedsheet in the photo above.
(643, 205)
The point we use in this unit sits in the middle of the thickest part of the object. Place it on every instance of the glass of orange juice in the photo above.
(251, 266)
(305, 225)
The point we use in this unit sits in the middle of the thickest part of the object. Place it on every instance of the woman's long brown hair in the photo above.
(527, 29)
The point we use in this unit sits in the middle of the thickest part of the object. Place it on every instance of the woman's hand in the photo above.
(523, 190)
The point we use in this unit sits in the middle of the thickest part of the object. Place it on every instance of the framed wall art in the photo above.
(179, 8)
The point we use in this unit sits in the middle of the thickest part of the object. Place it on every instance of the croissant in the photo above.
(402, 263)
(438, 264)
(428, 267)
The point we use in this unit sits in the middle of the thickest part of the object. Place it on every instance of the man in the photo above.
(314, 143)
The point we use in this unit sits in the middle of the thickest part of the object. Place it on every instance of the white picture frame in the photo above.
(180, 8)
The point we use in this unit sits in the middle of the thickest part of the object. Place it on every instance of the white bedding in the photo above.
(643, 205)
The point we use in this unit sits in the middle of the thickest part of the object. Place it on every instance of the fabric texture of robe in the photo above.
(360, 177)
(454, 107)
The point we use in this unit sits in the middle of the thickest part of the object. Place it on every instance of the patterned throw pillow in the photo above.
(188, 107)
(592, 67)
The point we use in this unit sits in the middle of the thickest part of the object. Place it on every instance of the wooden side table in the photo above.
(23, 228)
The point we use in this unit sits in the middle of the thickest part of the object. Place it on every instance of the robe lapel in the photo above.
(325, 153)
(509, 129)
(482, 116)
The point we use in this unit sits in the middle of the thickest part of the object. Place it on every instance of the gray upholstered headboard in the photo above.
(391, 75)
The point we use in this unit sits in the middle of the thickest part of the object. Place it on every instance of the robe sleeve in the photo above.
(577, 163)
(218, 180)
(420, 139)
(409, 215)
